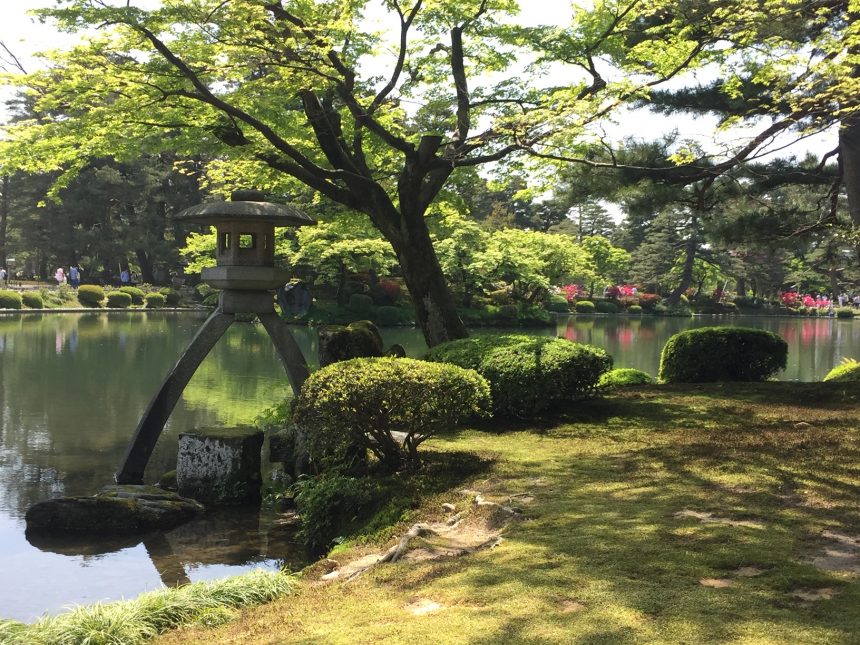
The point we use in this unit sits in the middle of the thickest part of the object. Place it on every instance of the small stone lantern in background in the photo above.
(247, 275)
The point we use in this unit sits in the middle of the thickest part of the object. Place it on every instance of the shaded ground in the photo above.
(704, 514)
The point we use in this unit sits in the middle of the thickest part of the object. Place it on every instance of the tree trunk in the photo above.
(742, 286)
(849, 162)
(145, 262)
(4, 219)
(686, 273)
(435, 311)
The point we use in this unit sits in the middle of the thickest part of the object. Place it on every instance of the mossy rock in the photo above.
(360, 339)
(624, 377)
(116, 509)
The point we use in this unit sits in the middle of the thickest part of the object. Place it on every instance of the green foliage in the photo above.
(10, 299)
(606, 307)
(634, 309)
(584, 307)
(528, 375)
(135, 293)
(154, 300)
(361, 304)
(748, 302)
(557, 304)
(32, 300)
(391, 316)
(624, 376)
(90, 295)
(171, 297)
(846, 372)
(711, 354)
(137, 621)
(118, 300)
(359, 404)
(845, 312)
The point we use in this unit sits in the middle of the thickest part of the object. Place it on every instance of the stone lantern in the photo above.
(247, 275)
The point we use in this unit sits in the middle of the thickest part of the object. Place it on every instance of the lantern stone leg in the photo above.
(288, 349)
(157, 412)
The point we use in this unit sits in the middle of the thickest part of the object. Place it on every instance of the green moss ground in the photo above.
(601, 556)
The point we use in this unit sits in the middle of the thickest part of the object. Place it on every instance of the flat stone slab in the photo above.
(115, 510)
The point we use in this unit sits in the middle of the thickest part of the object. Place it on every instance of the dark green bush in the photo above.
(118, 300)
(135, 293)
(361, 304)
(748, 302)
(606, 307)
(528, 374)
(624, 376)
(9, 299)
(846, 372)
(845, 312)
(558, 304)
(32, 300)
(171, 297)
(729, 308)
(711, 354)
(634, 309)
(389, 316)
(155, 300)
(90, 295)
(584, 307)
(359, 404)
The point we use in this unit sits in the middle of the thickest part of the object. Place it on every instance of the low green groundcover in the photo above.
(624, 376)
(847, 372)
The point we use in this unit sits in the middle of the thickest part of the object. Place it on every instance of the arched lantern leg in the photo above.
(155, 417)
(288, 349)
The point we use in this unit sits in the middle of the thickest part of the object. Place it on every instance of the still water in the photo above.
(72, 387)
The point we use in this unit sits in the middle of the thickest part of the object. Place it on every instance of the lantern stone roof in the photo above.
(245, 206)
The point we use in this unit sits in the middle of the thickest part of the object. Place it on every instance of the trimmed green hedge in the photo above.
(154, 300)
(90, 295)
(355, 406)
(528, 374)
(135, 293)
(557, 304)
(171, 297)
(712, 354)
(624, 376)
(32, 300)
(118, 300)
(634, 309)
(584, 307)
(847, 372)
(845, 312)
(10, 299)
(606, 307)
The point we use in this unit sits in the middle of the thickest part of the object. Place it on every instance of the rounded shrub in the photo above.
(624, 376)
(634, 309)
(355, 406)
(528, 374)
(845, 312)
(846, 372)
(9, 299)
(387, 316)
(90, 295)
(135, 293)
(557, 304)
(118, 300)
(171, 297)
(584, 307)
(360, 303)
(154, 300)
(606, 307)
(712, 354)
(32, 300)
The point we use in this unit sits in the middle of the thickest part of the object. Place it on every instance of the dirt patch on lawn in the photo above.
(839, 552)
(710, 518)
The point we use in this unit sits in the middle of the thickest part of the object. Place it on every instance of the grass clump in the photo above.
(10, 299)
(118, 300)
(136, 621)
(154, 300)
(623, 377)
(32, 300)
(846, 372)
(90, 295)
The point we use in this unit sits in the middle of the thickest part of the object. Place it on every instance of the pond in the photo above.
(72, 387)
